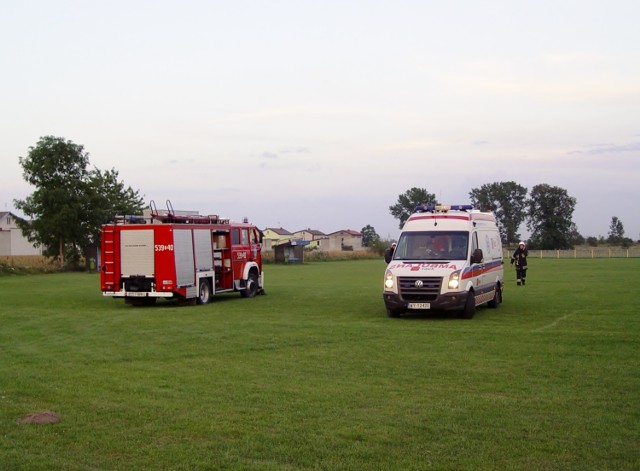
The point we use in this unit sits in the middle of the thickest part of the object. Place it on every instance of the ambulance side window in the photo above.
(474, 242)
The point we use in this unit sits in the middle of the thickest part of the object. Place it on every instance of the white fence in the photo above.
(583, 252)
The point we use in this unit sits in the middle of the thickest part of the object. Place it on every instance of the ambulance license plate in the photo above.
(419, 305)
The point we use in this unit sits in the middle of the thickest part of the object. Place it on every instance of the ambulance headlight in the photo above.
(388, 280)
(454, 280)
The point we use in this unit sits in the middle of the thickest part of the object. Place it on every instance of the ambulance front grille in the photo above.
(419, 288)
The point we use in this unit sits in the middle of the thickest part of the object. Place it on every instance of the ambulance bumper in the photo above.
(444, 302)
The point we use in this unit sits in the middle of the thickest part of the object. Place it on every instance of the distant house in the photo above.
(272, 236)
(345, 240)
(12, 242)
(317, 239)
(336, 241)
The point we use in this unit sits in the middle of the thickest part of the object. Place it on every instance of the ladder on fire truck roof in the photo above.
(169, 215)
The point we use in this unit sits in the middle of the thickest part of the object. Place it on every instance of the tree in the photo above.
(592, 241)
(575, 238)
(70, 202)
(369, 236)
(550, 218)
(408, 201)
(109, 197)
(616, 231)
(58, 170)
(508, 201)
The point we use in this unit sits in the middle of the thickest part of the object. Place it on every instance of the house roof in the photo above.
(314, 232)
(348, 231)
(293, 242)
(278, 230)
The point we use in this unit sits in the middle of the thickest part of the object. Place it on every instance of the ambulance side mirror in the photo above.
(477, 256)
(388, 254)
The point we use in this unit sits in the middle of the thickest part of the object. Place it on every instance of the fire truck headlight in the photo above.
(454, 280)
(388, 280)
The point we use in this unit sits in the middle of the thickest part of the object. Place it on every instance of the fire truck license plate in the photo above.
(419, 306)
(137, 294)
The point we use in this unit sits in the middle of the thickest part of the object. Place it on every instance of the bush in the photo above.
(26, 264)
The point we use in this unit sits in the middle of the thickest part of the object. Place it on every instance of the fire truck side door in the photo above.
(239, 251)
(255, 246)
(185, 264)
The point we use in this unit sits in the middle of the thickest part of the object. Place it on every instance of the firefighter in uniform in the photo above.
(519, 257)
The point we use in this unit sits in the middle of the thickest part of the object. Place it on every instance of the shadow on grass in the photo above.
(181, 303)
(438, 315)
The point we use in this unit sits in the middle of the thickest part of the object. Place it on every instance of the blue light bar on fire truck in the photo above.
(421, 208)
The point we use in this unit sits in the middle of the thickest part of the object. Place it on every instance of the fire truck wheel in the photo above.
(204, 292)
(469, 307)
(252, 286)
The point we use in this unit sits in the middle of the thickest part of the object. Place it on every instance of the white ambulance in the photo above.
(448, 258)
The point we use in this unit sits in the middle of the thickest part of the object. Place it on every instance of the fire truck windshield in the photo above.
(431, 245)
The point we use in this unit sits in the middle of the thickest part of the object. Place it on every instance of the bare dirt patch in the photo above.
(40, 418)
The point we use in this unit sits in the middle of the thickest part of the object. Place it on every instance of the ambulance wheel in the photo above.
(497, 298)
(392, 313)
(469, 307)
(204, 292)
(252, 286)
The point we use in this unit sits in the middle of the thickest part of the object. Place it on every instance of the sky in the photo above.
(302, 114)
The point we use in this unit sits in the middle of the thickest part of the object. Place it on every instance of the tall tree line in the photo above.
(547, 211)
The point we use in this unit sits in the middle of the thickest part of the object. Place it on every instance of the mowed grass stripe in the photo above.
(315, 376)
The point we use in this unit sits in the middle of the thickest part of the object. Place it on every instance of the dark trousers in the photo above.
(521, 275)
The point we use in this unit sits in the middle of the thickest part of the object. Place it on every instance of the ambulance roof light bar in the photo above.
(443, 208)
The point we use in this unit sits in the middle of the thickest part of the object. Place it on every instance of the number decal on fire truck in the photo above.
(241, 255)
(163, 248)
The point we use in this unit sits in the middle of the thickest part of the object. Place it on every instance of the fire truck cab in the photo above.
(179, 255)
(447, 258)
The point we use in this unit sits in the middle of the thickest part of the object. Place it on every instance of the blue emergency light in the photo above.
(443, 208)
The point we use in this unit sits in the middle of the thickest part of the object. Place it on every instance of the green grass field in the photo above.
(314, 376)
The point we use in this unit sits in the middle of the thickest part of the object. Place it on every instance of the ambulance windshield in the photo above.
(431, 245)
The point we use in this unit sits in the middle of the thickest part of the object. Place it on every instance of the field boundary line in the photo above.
(554, 323)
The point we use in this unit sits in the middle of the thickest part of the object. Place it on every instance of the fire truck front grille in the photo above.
(419, 288)
(138, 283)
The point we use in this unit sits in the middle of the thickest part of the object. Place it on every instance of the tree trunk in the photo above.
(61, 253)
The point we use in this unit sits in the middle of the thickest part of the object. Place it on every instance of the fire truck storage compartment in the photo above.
(204, 259)
(137, 253)
(183, 252)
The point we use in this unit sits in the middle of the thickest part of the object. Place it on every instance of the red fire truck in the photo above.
(179, 255)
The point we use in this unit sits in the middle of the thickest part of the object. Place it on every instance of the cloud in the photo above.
(269, 155)
(571, 58)
(295, 150)
(609, 149)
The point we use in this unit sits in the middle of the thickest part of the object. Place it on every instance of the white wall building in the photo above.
(12, 242)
